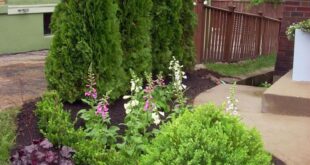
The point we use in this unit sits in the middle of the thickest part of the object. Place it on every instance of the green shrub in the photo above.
(172, 33)
(135, 23)
(85, 32)
(166, 33)
(55, 123)
(206, 136)
(7, 133)
(188, 22)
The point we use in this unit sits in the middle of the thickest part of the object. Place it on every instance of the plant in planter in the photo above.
(300, 33)
(304, 26)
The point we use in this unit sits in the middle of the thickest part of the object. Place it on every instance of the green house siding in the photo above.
(3, 9)
(23, 32)
(31, 2)
(20, 33)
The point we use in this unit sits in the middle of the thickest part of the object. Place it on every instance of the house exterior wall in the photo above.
(30, 2)
(23, 32)
(294, 11)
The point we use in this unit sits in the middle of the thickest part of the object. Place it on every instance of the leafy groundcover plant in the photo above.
(206, 135)
(304, 26)
(41, 152)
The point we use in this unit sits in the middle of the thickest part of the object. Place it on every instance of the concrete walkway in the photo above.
(286, 137)
(21, 78)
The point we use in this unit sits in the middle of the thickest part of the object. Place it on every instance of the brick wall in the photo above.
(294, 11)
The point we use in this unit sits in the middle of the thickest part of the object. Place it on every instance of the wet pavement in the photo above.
(21, 78)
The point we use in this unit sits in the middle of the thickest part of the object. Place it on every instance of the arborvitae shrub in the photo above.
(188, 21)
(172, 33)
(166, 33)
(206, 135)
(85, 32)
(135, 23)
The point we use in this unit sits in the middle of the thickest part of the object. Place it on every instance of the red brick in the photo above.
(303, 8)
(307, 15)
(297, 14)
(292, 3)
(289, 8)
(305, 3)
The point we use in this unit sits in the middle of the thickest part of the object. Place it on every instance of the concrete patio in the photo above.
(286, 137)
(288, 97)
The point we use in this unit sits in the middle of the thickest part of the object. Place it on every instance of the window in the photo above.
(47, 21)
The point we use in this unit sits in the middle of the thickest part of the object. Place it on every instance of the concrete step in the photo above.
(287, 97)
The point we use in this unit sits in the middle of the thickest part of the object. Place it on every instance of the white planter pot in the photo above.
(301, 66)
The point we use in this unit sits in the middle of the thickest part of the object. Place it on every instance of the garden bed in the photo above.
(197, 82)
(27, 131)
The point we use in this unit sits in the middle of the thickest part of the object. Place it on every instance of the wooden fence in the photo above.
(224, 35)
(268, 9)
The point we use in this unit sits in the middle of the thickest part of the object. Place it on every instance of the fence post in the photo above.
(279, 33)
(199, 33)
(259, 48)
(229, 31)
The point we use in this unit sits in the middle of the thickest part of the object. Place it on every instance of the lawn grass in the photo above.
(7, 133)
(244, 67)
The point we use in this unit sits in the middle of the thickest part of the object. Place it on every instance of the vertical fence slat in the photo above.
(230, 36)
(228, 42)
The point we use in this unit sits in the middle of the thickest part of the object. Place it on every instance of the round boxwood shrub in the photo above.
(206, 136)
(85, 32)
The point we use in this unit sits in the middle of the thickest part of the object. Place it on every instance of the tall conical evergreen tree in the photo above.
(188, 21)
(136, 22)
(85, 32)
(172, 33)
(166, 33)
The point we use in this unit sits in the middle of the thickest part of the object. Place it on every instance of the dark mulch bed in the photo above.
(27, 131)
